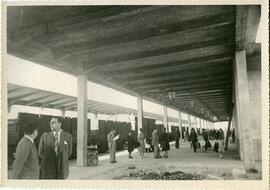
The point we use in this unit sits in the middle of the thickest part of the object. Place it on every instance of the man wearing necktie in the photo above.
(55, 148)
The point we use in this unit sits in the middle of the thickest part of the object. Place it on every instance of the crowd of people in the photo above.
(160, 142)
(51, 160)
(202, 140)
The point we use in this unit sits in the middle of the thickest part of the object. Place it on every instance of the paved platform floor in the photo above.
(184, 159)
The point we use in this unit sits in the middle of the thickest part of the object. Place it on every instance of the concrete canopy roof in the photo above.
(26, 96)
(140, 50)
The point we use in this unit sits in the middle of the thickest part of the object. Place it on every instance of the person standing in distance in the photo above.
(26, 164)
(177, 138)
(112, 145)
(55, 148)
(141, 141)
(165, 143)
(155, 143)
(130, 141)
(194, 139)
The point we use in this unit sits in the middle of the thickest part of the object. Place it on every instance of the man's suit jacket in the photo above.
(55, 166)
(177, 135)
(26, 164)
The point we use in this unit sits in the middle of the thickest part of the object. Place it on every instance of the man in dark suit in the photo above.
(193, 139)
(26, 164)
(55, 148)
(177, 138)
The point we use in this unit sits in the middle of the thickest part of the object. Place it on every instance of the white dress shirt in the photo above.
(59, 132)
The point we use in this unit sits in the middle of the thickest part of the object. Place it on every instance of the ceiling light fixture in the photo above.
(171, 95)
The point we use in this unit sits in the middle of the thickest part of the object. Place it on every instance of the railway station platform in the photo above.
(181, 162)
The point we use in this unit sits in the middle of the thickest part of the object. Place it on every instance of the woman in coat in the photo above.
(165, 143)
(201, 142)
(130, 144)
(141, 138)
(177, 138)
(220, 143)
(193, 139)
(205, 136)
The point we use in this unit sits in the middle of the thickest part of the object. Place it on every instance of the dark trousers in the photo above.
(156, 152)
(194, 145)
(177, 144)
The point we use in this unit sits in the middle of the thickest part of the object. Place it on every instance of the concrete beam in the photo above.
(16, 99)
(247, 24)
(242, 102)
(82, 121)
(204, 59)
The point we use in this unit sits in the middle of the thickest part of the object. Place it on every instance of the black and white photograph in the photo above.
(134, 92)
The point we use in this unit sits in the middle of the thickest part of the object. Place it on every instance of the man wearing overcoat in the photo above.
(55, 148)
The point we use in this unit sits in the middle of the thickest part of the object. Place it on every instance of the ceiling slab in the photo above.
(140, 50)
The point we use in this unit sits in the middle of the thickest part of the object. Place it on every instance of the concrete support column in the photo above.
(228, 133)
(9, 108)
(189, 124)
(201, 124)
(180, 124)
(139, 113)
(242, 102)
(94, 122)
(63, 113)
(82, 121)
(237, 133)
(165, 118)
(196, 124)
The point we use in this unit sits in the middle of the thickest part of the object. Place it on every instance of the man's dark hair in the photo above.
(60, 119)
(29, 128)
